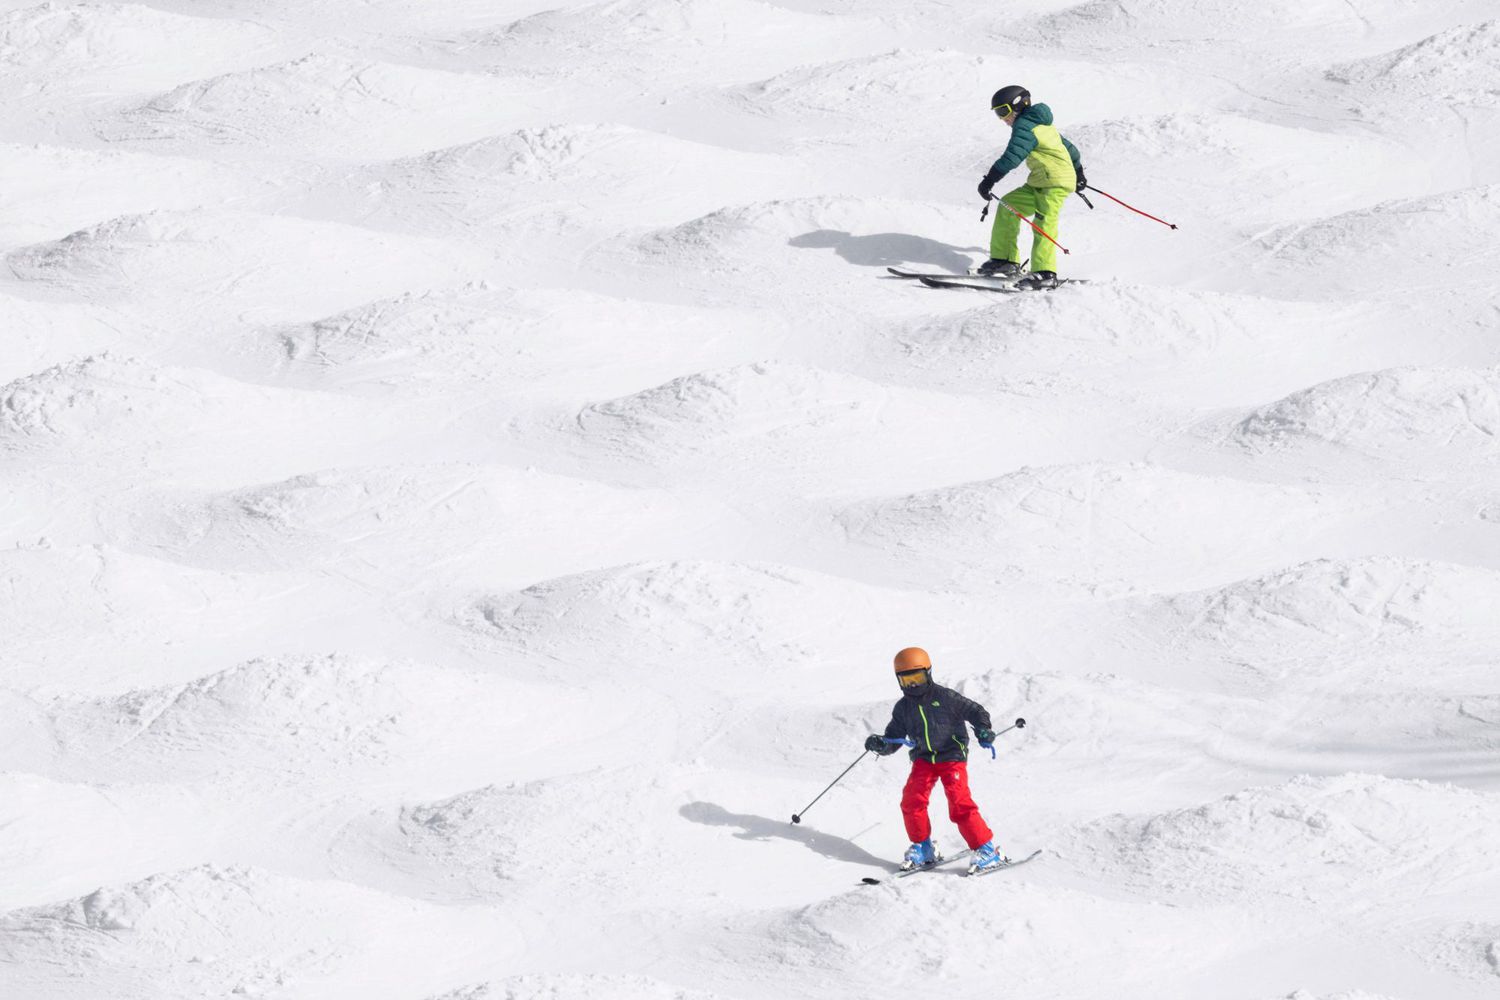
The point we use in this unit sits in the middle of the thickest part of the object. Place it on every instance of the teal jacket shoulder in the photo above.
(1023, 141)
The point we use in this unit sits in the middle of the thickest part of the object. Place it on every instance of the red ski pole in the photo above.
(1040, 231)
(1132, 207)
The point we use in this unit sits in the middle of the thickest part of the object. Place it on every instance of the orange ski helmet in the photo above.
(913, 658)
(914, 671)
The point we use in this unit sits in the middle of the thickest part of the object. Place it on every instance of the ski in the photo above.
(987, 284)
(971, 281)
(902, 272)
(1007, 864)
(936, 864)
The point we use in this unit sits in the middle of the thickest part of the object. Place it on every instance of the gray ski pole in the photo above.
(1018, 724)
(797, 816)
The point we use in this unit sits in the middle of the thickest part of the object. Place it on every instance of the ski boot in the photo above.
(987, 859)
(919, 855)
(1038, 281)
(996, 268)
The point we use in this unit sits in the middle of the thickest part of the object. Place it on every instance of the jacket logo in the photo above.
(934, 704)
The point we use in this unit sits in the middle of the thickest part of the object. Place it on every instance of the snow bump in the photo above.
(400, 523)
(1335, 604)
(1086, 523)
(497, 843)
(277, 721)
(1401, 422)
(326, 107)
(1420, 239)
(676, 38)
(101, 414)
(738, 238)
(1460, 64)
(92, 40)
(1309, 838)
(219, 931)
(1272, 23)
(551, 182)
(772, 400)
(671, 613)
(237, 263)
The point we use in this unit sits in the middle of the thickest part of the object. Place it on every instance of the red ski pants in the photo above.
(961, 808)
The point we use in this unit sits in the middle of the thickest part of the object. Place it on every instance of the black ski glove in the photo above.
(986, 737)
(877, 744)
(1082, 183)
(988, 184)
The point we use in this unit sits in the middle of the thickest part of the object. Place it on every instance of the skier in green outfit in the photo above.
(1056, 172)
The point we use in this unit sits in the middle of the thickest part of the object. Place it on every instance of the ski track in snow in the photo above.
(464, 469)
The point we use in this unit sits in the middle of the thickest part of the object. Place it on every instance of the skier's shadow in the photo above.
(760, 828)
(885, 249)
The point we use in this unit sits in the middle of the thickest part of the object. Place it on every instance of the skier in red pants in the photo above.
(931, 718)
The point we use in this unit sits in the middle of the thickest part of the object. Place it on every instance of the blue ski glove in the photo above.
(986, 737)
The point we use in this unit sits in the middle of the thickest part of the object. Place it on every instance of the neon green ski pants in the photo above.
(1043, 203)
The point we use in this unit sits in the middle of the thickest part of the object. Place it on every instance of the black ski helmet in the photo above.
(1007, 99)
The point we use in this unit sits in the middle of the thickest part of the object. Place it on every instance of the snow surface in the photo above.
(464, 471)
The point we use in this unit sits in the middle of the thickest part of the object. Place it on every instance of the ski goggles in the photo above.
(913, 678)
(1002, 110)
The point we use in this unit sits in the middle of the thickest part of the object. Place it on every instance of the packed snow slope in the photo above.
(465, 470)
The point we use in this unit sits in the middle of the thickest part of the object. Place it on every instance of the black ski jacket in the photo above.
(935, 722)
